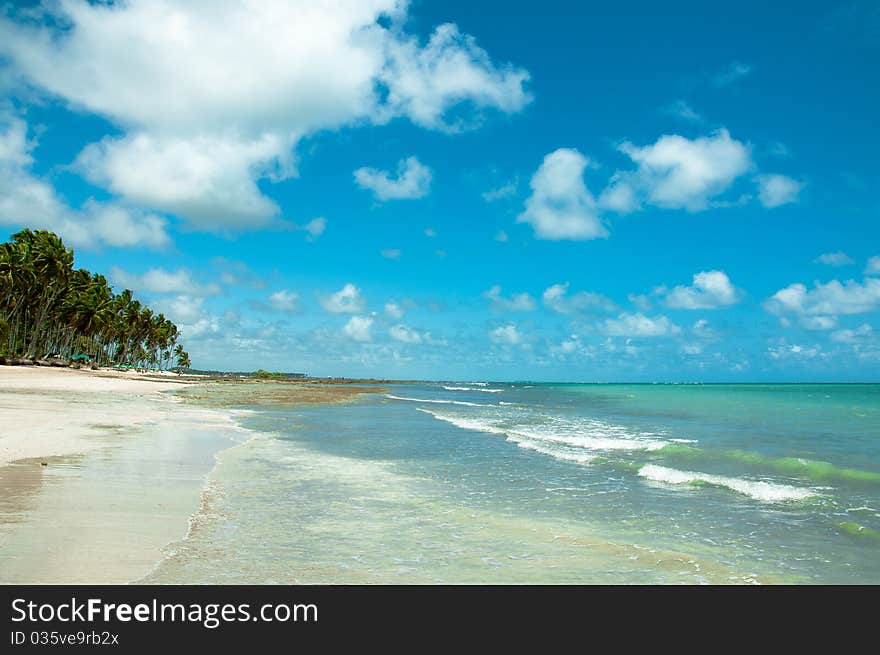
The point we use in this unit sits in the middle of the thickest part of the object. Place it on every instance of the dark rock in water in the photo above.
(59, 362)
(19, 361)
(44, 463)
(42, 362)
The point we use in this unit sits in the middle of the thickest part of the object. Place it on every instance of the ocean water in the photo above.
(477, 482)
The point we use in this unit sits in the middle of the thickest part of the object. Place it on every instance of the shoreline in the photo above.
(101, 471)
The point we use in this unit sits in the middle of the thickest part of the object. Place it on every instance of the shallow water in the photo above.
(466, 482)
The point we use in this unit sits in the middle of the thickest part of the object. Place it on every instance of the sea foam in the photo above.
(437, 401)
(480, 389)
(757, 489)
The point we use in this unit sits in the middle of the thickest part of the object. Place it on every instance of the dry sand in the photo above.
(47, 412)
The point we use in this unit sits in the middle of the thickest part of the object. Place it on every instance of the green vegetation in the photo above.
(266, 375)
(50, 309)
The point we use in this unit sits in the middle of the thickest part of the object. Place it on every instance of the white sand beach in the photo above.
(99, 471)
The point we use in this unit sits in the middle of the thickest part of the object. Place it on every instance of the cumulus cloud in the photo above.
(27, 200)
(710, 290)
(413, 180)
(518, 302)
(873, 267)
(189, 314)
(425, 82)
(348, 300)
(638, 325)
(506, 335)
(211, 180)
(284, 300)
(501, 236)
(159, 280)
(406, 334)
(394, 310)
(391, 253)
(834, 259)
(677, 173)
(857, 335)
(556, 298)
(819, 322)
(561, 206)
(849, 297)
(358, 328)
(777, 190)
(201, 128)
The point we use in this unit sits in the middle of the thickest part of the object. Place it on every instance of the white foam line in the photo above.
(441, 402)
(473, 389)
(757, 489)
(520, 435)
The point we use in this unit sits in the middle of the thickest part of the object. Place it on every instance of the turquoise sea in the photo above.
(480, 482)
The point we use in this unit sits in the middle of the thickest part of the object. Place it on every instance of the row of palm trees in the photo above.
(48, 309)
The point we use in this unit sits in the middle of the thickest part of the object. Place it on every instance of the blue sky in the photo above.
(464, 190)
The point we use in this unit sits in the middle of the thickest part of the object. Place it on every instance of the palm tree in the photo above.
(49, 307)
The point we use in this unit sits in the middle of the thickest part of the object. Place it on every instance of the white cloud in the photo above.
(348, 300)
(834, 259)
(561, 206)
(406, 334)
(358, 328)
(211, 180)
(506, 335)
(786, 351)
(819, 322)
(777, 190)
(829, 299)
(701, 329)
(391, 253)
(284, 300)
(189, 314)
(678, 173)
(28, 201)
(413, 180)
(201, 127)
(710, 290)
(504, 191)
(556, 298)
(860, 334)
(316, 227)
(394, 310)
(501, 236)
(430, 232)
(641, 301)
(873, 267)
(638, 325)
(158, 280)
(518, 302)
(425, 82)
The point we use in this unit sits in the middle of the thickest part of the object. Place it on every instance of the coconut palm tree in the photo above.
(49, 307)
